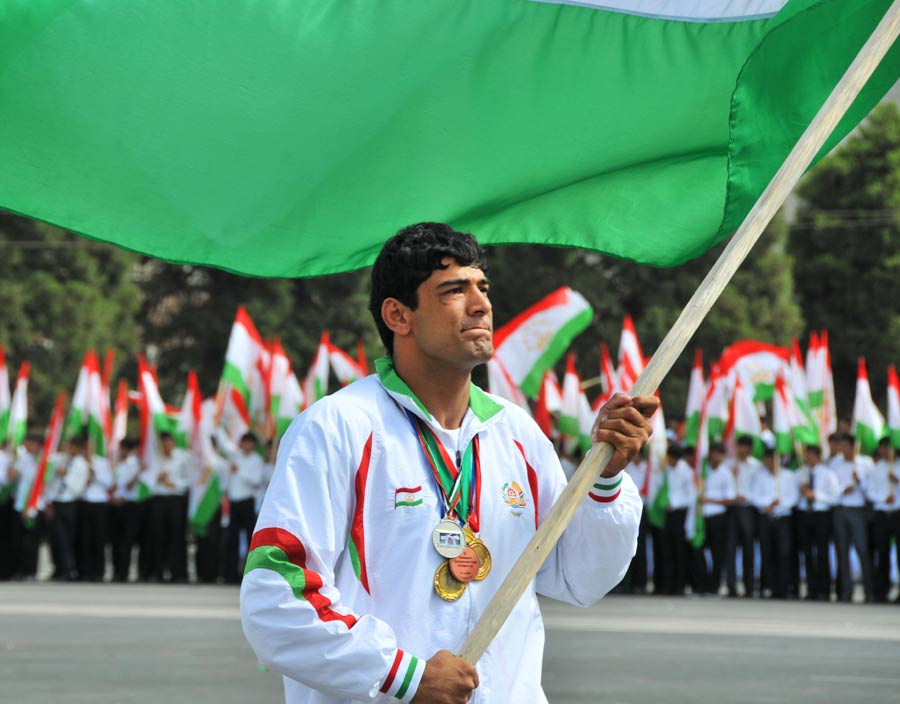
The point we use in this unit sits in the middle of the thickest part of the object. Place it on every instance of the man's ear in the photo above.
(396, 316)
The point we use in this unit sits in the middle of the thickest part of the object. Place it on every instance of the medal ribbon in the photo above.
(459, 488)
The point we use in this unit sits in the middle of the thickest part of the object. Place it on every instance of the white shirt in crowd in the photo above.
(878, 487)
(71, 486)
(637, 470)
(126, 472)
(767, 487)
(744, 471)
(178, 468)
(824, 484)
(844, 470)
(243, 483)
(100, 482)
(682, 491)
(720, 486)
(26, 465)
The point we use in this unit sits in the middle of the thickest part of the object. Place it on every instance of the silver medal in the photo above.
(449, 539)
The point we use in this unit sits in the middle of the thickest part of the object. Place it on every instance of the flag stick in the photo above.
(676, 340)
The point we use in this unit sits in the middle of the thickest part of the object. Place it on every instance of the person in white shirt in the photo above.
(679, 479)
(124, 522)
(744, 467)
(25, 535)
(881, 490)
(719, 493)
(169, 510)
(820, 488)
(850, 520)
(245, 477)
(635, 581)
(93, 518)
(7, 490)
(73, 474)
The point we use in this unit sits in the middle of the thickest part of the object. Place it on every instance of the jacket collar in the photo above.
(482, 407)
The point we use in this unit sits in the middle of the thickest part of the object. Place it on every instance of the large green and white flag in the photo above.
(5, 398)
(537, 338)
(291, 138)
(18, 412)
(868, 423)
(893, 405)
(695, 399)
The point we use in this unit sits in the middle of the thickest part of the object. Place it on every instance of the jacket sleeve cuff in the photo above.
(403, 678)
(607, 489)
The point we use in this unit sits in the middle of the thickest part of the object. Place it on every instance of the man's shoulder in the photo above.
(356, 404)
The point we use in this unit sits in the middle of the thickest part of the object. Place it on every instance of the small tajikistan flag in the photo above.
(695, 399)
(868, 423)
(4, 395)
(153, 420)
(534, 340)
(757, 364)
(345, 368)
(781, 417)
(205, 495)
(815, 371)
(315, 386)
(743, 419)
(715, 407)
(99, 420)
(120, 419)
(893, 417)
(408, 496)
(631, 357)
(500, 384)
(45, 467)
(245, 347)
(18, 412)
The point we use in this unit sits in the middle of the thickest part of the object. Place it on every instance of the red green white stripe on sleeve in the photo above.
(607, 489)
(403, 678)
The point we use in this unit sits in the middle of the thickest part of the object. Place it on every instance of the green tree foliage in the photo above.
(759, 303)
(60, 295)
(845, 243)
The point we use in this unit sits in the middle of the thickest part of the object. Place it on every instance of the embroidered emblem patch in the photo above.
(408, 496)
(513, 496)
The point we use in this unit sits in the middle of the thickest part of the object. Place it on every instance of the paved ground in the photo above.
(134, 644)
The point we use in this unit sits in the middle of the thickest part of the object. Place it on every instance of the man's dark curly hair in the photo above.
(409, 258)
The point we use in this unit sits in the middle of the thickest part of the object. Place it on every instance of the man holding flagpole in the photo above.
(399, 504)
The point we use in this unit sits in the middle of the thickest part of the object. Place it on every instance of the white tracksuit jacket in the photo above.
(338, 592)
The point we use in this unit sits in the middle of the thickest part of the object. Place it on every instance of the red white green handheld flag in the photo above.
(829, 403)
(18, 412)
(815, 371)
(290, 403)
(757, 364)
(315, 386)
(893, 405)
(743, 419)
(534, 340)
(609, 379)
(345, 368)
(500, 384)
(205, 495)
(45, 467)
(99, 419)
(120, 418)
(696, 399)
(549, 401)
(782, 417)
(631, 357)
(5, 399)
(716, 406)
(576, 416)
(153, 420)
(242, 357)
(81, 399)
(868, 423)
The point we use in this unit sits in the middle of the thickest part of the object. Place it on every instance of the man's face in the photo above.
(715, 458)
(247, 446)
(812, 458)
(845, 447)
(742, 451)
(453, 321)
(168, 445)
(769, 462)
(31, 447)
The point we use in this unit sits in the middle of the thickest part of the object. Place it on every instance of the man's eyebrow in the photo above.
(458, 282)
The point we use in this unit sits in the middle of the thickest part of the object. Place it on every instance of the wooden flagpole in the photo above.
(694, 312)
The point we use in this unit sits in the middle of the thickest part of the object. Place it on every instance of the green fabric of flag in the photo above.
(292, 138)
(659, 507)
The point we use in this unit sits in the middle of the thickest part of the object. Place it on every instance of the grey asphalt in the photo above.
(165, 644)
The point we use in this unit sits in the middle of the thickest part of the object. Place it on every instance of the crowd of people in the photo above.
(768, 526)
(764, 529)
(95, 515)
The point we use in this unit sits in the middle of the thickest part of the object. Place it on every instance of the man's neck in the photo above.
(442, 389)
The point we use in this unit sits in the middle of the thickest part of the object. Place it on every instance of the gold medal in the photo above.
(446, 586)
(481, 550)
